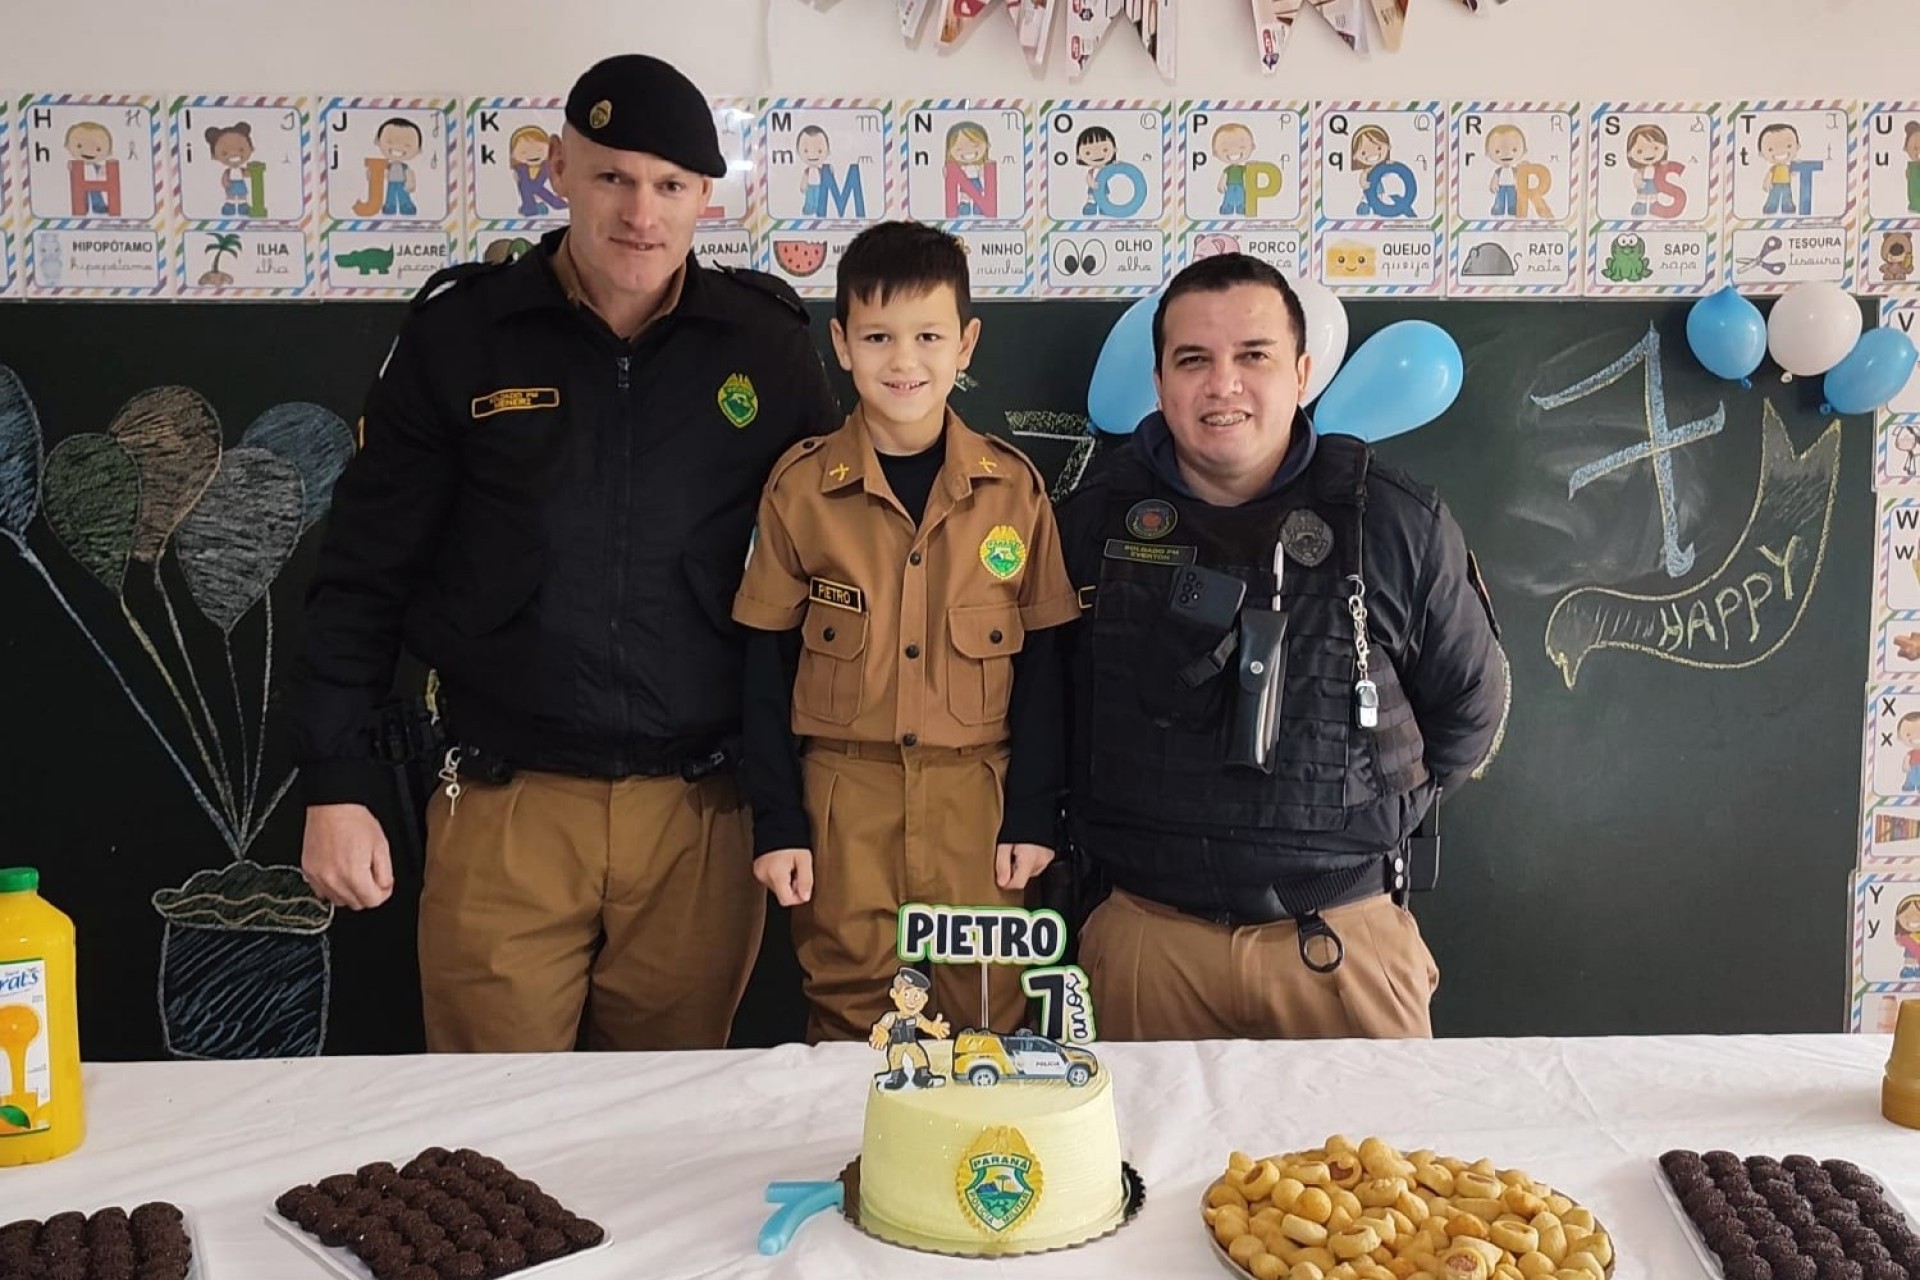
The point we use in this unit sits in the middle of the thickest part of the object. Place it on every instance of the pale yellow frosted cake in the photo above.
(1016, 1167)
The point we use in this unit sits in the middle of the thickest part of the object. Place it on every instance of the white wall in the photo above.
(1583, 49)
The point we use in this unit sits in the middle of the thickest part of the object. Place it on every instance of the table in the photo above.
(671, 1152)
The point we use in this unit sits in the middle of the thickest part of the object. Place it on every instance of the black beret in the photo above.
(632, 102)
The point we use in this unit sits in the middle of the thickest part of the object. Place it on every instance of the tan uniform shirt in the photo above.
(907, 634)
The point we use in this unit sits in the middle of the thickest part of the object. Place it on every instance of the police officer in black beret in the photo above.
(551, 507)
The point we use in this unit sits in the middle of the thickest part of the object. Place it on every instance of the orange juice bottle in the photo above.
(41, 1115)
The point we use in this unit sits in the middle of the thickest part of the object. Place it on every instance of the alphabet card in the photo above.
(1886, 928)
(391, 169)
(1892, 766)
(1792, 194)
(1897, 433)
(1890, 149)
(9, 264)
(1876, 1011)
(1380, 197)
(511, 198)
(828, 174)
(966, 166)
(1653, 196)
(724, 235)
(244, 196)
(1108, 174)
(94, 197)
(1243, 182)
(1890, 836)
(1518, 181)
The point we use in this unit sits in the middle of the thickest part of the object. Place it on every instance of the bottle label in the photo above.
(24, 1056)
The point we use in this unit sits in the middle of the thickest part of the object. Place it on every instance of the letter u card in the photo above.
(245, 196)
(1243, 182)
(1380, 197)
(94, 195)
(511, 198)
(1107, 181)
(1653, 195)
(391, 173)
(826, 168)
(1889, 148)
(1518, 172)
(966, 166)
(1792, 193)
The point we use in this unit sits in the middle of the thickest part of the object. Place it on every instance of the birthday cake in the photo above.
(983, 1143)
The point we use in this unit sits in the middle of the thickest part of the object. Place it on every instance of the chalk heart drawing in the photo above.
(244, 967)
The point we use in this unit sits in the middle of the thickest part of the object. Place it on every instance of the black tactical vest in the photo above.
(1158, 791)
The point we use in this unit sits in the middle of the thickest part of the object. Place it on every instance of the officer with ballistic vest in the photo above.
(1285, 655)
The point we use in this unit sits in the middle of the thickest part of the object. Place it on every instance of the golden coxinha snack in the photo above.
(1364, 1211)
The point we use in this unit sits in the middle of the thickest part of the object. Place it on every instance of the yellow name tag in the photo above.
(513, 398)
(837, 594)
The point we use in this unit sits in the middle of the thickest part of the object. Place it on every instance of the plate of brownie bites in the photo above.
(151, 1242)
(1795, 1218)
(443, 1215)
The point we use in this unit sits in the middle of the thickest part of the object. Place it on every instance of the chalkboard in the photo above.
(1680, 763)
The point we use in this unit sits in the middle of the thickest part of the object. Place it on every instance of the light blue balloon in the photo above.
(1872, 373)
(1121, 392)
(1727, 333)
(1402, 377)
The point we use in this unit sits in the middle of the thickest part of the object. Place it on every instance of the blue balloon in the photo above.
(1402, 377)
(1727, 333)
(1122, 392)
(1872, 373)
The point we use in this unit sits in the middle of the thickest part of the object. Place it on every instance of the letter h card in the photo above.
(1890, 220)
(1380, 197)
(1243, 182)
(1653, 196)
(825, 167)
(511, 197)
(1793, 187)
(966, 165)
(1518, 173)
(94, 195)
(244, 192)
(392, 177)
(724, 235)
(1108, 179)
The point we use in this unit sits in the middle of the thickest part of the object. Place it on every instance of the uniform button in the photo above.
(827, 634)
(910, 740)
(994, 635)
(1399, 864)
(914, 558)
(913, 651)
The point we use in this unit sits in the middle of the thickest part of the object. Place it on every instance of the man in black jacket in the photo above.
(1285, 654)
(552, 505)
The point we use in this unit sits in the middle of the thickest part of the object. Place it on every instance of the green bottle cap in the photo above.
(19, 879)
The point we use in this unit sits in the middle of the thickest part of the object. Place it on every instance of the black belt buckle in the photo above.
(698, 767)
(485, 767)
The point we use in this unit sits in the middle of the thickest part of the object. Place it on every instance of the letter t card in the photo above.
(1793, 191)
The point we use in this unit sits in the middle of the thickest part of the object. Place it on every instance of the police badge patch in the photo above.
(1306, 537)
(1003, 551)
(738, 400)
(999, 1179)
(1151, 518)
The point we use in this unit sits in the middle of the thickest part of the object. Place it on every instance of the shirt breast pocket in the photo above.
(832, 670)
(980, 668)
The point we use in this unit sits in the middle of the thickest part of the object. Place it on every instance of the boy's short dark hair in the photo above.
(1782, 127)
(399, 122)
(1217, 274)
(890, 259)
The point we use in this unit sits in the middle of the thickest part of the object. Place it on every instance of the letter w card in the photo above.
(1518, 173)
(1653, 196)
(1380, 197)
(1792, 194)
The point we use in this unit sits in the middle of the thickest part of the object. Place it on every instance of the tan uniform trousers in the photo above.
(1161, 974)
(893, 825)
(548, 888)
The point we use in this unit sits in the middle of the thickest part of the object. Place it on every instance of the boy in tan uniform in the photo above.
(903, 722)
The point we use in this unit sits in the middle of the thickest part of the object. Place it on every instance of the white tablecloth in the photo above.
(671, 1152)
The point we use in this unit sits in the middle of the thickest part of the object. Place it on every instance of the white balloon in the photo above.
(1812, 327)
(1326, 334)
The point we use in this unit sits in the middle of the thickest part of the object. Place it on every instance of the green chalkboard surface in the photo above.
(1680, 567)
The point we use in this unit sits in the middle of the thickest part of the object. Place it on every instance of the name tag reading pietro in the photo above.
(837, 594)
(980, 935)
